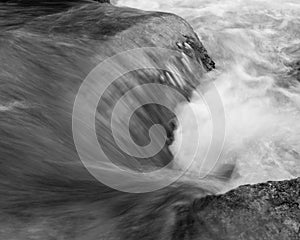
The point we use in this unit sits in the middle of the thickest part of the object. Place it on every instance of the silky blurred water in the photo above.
(256, 45)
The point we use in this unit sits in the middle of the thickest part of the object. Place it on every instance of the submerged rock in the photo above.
(49, 48)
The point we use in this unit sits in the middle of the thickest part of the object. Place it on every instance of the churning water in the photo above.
(256, 46)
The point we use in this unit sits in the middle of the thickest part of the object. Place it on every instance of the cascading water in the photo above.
(256, 46)
(59, 129)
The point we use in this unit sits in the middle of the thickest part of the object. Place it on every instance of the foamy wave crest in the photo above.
(256, 48)
(84, 130)
(262, 132)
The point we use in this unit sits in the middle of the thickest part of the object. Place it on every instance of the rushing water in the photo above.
(256, 46)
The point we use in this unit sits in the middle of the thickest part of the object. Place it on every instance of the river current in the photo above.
(256, 47)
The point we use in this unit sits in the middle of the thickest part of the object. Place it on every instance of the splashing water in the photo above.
(256, 46)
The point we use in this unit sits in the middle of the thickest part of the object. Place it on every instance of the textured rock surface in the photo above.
(263, 211)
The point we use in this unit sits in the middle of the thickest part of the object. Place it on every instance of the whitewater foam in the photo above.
(253, 44)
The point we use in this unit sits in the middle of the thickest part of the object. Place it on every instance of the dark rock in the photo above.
(262, 212)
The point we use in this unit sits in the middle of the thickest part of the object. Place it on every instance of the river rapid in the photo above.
(256, 47)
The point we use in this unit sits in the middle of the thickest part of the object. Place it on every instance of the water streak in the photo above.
(256, 47)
